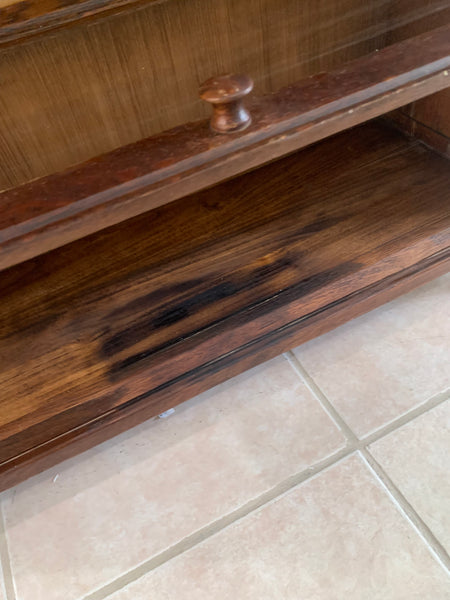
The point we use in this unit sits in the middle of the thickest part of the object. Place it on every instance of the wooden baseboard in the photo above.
(112, 329)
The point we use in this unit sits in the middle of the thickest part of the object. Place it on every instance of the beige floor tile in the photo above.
(127, 500)
(335, 537)
(2, 586)
(417, 459)
(381, 365)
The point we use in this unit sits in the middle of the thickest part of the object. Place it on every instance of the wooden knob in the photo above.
(226, 94)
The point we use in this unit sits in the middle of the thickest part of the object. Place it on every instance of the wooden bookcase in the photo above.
(145, 258)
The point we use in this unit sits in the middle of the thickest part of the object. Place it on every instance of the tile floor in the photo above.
(323, 474)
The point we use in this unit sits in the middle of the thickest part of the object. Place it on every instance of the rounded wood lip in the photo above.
(227, 87)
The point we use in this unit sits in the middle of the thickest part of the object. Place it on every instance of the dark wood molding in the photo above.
(112, 329)
(42, 215)
(23, 19)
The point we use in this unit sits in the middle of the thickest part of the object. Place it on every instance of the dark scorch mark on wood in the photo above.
(303, 288)
(189, 306)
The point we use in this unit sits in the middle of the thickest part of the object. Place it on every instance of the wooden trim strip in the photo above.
(52, 211)
(22, 19)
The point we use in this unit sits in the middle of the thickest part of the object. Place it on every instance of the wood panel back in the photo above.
(428, 118)
(82, 91)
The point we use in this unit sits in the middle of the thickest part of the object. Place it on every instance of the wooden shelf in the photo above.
(112, 329)
(58, 209)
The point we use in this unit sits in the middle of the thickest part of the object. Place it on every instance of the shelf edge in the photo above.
(49, 212)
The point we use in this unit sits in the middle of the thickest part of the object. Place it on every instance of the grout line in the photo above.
(399, 500)
(5, 562)
(274, 494)
(267, 498)
(284, 487)
(432, 543)
(406, 418)
(320, 396)
(374, 436)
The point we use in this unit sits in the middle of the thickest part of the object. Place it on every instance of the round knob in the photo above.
(226, 94)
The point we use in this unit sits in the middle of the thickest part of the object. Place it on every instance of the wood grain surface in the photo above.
(47, 213)
(428, 118)
(434, 112)
(73, 94)
(22, 19)
(107, 331)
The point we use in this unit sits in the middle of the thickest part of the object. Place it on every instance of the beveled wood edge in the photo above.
(251, 354)
(55, 210)
(26, 19)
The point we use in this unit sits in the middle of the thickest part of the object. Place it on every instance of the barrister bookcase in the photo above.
(190, 187)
